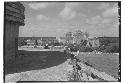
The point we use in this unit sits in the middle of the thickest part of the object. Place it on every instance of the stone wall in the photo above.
(13, 18)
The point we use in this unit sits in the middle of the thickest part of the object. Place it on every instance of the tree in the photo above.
(87, 34)
(83, 42)
(23, 43)
(78, 36)
(36, 42)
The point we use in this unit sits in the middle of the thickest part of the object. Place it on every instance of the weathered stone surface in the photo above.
(13, 18)
(14, 11)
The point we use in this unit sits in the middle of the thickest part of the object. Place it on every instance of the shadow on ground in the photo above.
(34, 60)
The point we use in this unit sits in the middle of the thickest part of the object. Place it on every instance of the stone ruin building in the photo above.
(13, 18)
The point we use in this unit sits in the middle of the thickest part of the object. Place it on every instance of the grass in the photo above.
(108, 63)
(34, 60)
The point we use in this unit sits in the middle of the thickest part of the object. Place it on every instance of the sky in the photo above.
(54, 19)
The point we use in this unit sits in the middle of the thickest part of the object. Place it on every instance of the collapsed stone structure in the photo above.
(13, 18)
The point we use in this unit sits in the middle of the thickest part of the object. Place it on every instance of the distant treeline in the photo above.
(107, 44)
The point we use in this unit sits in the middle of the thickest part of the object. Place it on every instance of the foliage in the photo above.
(78, 36)
(111, 48)
(36, 42)
(87, 34)
(107, 41)
(22, 43)
(86, 49)
(56, 43)
(83, 42)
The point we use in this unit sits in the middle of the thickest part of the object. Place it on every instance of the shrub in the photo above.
(110, 48)
(86, 49)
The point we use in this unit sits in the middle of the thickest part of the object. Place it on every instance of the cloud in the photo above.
(111, 12)
(103, 6)
(69, 12)
(101, 20)
(107, 21)
(94, 20)
(42, 17)
(82, 15)
(42, 5)
(71, 4)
